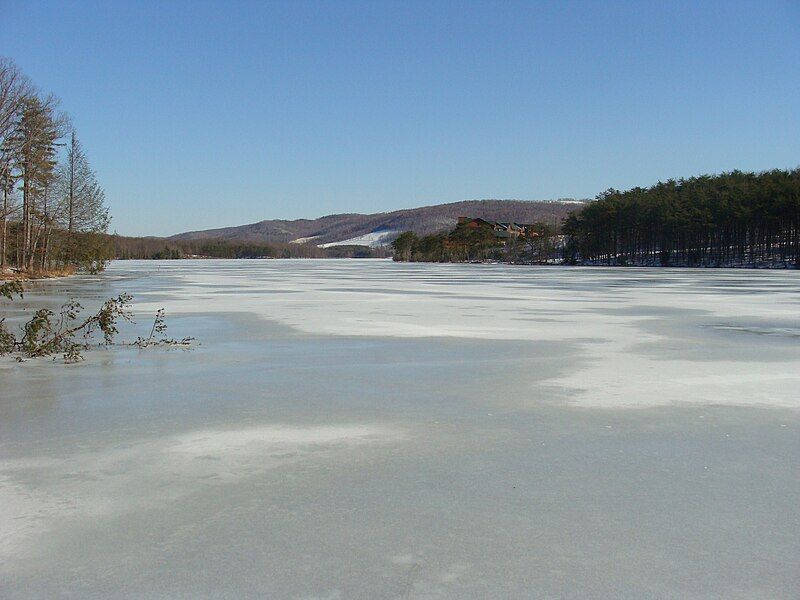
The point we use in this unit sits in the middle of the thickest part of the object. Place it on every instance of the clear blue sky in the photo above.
(204, 114)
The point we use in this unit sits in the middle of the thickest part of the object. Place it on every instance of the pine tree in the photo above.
(34, 146)
(83, 198)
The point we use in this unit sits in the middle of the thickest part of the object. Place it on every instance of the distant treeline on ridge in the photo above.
(160, 249)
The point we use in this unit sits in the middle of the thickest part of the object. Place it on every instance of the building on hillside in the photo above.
(503, 231)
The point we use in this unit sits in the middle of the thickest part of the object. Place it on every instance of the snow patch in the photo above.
(304, 240)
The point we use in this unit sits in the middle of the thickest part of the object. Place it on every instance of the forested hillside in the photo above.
(732, 219)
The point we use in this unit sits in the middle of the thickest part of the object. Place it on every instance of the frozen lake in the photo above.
(366, 429)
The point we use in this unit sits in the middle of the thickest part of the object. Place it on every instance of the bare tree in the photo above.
(33, 145)
(15, 88)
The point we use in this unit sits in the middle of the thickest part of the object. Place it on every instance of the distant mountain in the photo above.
(381, 228)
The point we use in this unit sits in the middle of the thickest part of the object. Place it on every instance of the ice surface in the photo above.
(366, 429)
(152, 472)
(644, 337)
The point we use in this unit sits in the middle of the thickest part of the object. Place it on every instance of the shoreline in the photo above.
(755, 267)
(19, 275)
(759, 267)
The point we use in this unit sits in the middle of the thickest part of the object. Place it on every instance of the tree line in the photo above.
(731, 219)
(53, 213)
(160, 248)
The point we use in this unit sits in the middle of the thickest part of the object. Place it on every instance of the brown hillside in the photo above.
(424, 220)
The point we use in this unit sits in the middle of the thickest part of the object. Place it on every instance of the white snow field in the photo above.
(374, 239)
(369, 429)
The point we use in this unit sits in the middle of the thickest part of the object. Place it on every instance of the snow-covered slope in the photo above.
(374, 239)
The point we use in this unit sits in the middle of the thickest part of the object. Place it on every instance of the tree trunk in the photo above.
(4, 228)
(26, 219)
